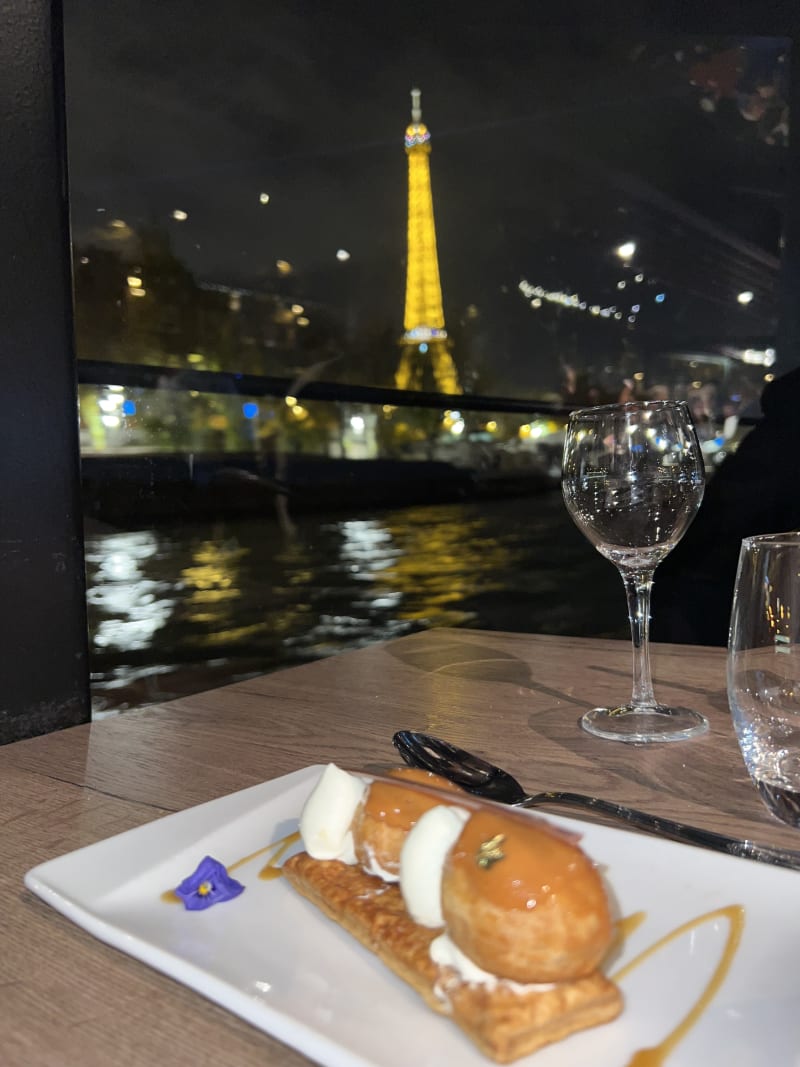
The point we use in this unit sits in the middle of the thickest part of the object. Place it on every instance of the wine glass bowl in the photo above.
(764, 668)
(632, 479)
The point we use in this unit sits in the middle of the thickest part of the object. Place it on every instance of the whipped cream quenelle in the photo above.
(422, 862)
(328, 813)
(446, 953)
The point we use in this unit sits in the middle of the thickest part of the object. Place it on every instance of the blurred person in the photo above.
(755, 490)
(659, 392)
(701, 417)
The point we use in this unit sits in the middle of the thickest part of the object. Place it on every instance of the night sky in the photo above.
(549, 146)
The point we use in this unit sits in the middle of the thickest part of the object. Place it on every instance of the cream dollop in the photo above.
(374, 868)
(446, 953)
(327, 815)
(422, 862)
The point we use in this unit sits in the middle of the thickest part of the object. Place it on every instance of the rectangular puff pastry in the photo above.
(503, 1023)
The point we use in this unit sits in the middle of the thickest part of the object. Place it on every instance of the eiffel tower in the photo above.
(425, 358)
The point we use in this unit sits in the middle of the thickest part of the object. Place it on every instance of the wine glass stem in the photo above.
(638, 585)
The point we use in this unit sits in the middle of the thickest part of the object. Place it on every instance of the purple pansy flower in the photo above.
(209, 884)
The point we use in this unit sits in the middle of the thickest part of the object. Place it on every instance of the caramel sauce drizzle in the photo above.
(629, 924)
(734, 913)
(623, 928)
(278, 850)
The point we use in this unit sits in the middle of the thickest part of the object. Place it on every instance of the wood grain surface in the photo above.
(515, 698)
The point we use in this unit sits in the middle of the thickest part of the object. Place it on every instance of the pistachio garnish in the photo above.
(490, 852)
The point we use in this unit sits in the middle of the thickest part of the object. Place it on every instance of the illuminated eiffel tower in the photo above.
(425, 359)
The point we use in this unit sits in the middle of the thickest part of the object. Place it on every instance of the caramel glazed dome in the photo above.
(522, 901)
(387, 814)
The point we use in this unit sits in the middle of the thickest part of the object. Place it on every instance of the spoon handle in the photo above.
(675, 831)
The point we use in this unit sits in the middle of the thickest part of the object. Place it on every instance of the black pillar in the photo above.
(43, 644)
(788, 342)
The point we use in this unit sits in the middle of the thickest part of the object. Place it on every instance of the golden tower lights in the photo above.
(424, 342)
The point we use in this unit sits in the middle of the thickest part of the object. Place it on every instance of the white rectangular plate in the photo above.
(270, 957)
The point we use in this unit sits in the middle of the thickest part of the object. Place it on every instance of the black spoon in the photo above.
(477, 776)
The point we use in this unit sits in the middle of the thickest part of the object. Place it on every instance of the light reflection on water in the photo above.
(177, 610)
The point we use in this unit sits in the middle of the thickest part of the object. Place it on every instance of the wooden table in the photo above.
(68, 999)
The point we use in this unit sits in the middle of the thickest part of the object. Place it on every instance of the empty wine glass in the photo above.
(764, 668)
(633, 479)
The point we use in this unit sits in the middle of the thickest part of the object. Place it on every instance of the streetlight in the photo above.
(626, 250)
(745, 297)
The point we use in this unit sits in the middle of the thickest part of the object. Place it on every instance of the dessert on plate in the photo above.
(495, 917)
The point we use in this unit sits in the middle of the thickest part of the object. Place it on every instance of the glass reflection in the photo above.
(128, 607)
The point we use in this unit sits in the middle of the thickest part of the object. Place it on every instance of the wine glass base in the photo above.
(639, 726)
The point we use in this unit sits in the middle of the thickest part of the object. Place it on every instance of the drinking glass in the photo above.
(633, 478)
(764, 668)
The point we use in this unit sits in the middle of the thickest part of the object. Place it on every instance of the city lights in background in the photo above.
(454, 422)
(135, 283)
(113, 404)
(263, 198)
(297, 309)
(283, 266)
(342, 255)
(626, 250)
(758, 357)
(745, 297)
(179, 215)
(537, 295)
(532, 431)
(250, 409)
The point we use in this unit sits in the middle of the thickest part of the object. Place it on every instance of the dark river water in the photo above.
(174, 610)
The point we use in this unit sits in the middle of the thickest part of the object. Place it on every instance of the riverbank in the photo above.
(127, 489)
